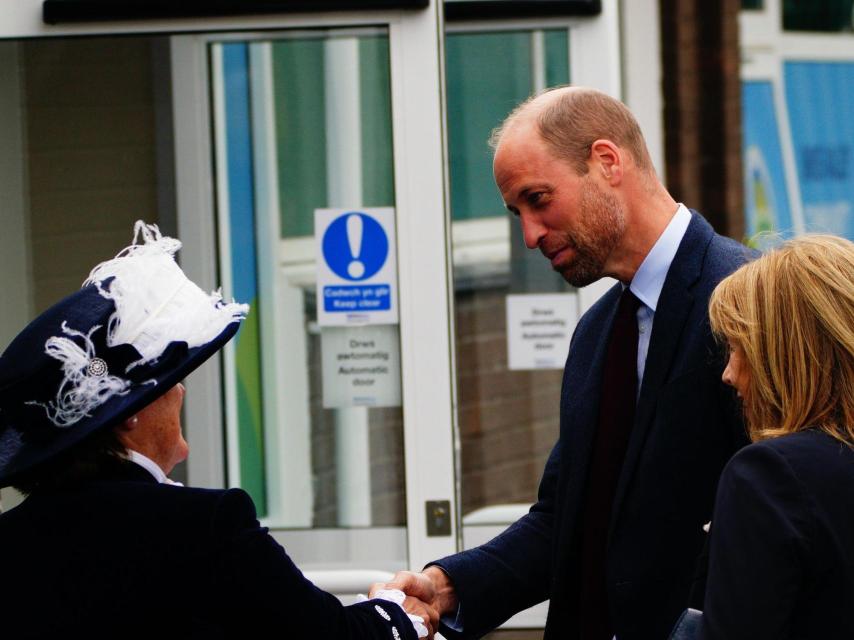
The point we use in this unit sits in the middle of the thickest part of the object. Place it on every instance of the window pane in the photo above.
(507, 417)
(310, 455)
(818, 15)
(487, 75)
(375, 98)
(300, 132)
(300, 86)
(557, 58)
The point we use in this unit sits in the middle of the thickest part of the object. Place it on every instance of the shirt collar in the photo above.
(151, 466)
(649, 279)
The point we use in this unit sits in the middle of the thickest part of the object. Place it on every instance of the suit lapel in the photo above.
(674, 306)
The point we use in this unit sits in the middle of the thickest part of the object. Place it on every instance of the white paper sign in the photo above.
(539, 328)
(356, 266)
(361, 366)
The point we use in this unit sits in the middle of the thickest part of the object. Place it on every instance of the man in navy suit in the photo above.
(646, 425)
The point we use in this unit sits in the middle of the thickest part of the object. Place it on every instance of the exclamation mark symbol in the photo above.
(354, 236)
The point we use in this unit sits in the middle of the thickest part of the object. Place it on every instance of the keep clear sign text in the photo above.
(539, 328)
(358, 298)
(361, 366)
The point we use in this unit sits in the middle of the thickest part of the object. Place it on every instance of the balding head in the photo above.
(571, 119)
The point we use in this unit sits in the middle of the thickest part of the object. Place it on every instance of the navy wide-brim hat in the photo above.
(136, 328)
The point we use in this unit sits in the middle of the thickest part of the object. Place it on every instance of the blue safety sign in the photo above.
(355, 246)
(357, 272)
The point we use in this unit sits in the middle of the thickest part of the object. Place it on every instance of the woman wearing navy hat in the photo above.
(105, 546)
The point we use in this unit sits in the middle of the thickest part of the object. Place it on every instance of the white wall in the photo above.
(642, 72)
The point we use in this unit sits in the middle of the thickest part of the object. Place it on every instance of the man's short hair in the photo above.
(573, 120)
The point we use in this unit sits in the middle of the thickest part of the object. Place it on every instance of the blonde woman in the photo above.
(782, 545)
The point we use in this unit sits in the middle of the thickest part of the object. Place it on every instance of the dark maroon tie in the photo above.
(614, 426)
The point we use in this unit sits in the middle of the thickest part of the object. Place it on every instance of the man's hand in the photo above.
(428, 614)
(432, 587)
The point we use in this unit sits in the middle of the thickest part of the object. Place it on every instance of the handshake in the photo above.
(429, 595)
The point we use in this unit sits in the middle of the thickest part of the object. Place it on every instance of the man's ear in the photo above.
(607, 160)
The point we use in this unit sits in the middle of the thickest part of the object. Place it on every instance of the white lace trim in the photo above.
(84, 387)
(397, 597)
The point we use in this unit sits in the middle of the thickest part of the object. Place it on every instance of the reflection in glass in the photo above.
(487, 75)
(508, 420)
(302, 122)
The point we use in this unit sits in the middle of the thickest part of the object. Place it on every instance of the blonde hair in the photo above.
(792, 313)
(577, 117)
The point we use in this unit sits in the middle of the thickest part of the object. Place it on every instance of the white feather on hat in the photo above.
(155, 306)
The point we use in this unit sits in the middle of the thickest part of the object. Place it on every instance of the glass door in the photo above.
(314, 425)
(327, 184)
(303, 123)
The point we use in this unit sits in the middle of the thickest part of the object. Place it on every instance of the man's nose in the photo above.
(532, 230)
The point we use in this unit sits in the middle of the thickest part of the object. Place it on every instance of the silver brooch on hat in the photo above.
(86, 383)
(97, 368)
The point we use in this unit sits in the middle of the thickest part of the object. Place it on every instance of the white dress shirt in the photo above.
(649, 279)
(151, 466)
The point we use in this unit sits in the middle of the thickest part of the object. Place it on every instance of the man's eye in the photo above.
(535, 197)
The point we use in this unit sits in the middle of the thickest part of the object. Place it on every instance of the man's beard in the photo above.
(600, 231)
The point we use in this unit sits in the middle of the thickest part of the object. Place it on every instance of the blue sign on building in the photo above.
(766, 198)
(820, 100)
(355, 246)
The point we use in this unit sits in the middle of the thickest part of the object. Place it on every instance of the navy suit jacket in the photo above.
(686, 428)
(126, 557)
(782, 544)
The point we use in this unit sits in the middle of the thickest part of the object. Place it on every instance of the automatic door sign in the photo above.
(539, 328)
(361, 366)
(356, 266)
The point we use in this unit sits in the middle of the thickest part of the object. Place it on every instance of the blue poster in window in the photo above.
(766, 199)
(820, 100)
